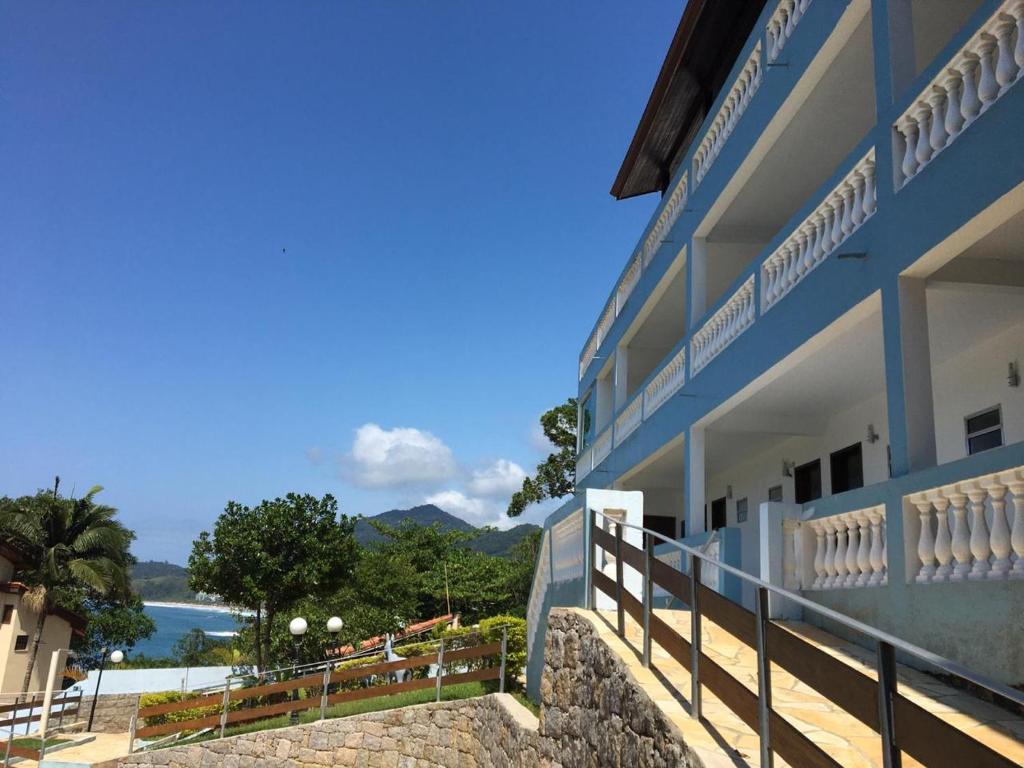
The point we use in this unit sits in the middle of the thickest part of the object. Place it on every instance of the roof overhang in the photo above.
(710, 35)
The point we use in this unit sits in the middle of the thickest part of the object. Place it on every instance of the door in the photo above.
(718, 514)
(847, 468)
(807, 479)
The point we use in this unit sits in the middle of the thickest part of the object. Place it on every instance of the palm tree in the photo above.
(70, 544)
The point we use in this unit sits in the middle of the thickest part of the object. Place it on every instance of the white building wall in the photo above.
(976, 380)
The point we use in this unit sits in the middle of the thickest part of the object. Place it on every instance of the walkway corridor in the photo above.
(722, 740)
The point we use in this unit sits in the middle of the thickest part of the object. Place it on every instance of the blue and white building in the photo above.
(811, 358)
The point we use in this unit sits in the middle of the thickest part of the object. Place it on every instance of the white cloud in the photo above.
(383, 458)
(315, 455)
(502, 478)
(472, 510)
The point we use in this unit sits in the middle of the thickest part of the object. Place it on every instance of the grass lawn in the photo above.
(405, 699)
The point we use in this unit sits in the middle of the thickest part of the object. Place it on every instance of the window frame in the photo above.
(968, 436)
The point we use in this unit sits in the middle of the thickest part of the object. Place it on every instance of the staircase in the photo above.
(722, 740)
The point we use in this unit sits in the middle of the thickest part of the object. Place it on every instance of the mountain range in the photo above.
(156, 581)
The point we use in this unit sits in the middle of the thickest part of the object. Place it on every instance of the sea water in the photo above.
(175, 621)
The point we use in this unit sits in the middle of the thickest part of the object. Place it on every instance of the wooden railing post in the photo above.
(504, 651)
(440, 667)
(886, 694)
(648, 595)
(764, 680)
(695, 707)
(619, 605)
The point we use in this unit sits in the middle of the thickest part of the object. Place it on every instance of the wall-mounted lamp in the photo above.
(853, 255)
(1013, 377)
(787, 468)
(873, 437)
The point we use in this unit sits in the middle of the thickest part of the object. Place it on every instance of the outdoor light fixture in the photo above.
(335, 625)
(873, 436)
(852, 255)
(297, 627)
(116, 658)
(1013, 378)
(787, 468)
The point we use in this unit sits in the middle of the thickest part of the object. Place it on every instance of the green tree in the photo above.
(556, 475)
(112, 624)
(195, 648)
(269, 557)
(71, 545)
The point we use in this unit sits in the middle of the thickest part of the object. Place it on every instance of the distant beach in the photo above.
(218, 607)
(175, 619)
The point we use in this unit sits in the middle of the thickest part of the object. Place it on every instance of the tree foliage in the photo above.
(269, 557)
(556, 475)
(74, 548)
(112, 624)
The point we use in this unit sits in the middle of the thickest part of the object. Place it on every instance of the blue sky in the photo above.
(346, 247)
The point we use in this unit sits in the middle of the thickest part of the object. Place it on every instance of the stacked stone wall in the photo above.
(594, 714)
(113, 712)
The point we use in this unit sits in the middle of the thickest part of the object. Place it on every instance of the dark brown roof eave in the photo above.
(669, 67)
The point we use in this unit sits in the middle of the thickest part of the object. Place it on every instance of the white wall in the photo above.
(976, 380)
(725, 262)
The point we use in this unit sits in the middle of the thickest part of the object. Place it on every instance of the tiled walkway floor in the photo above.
(722, 739)
(104, 747)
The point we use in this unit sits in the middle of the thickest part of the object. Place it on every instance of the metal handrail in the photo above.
(931, 658)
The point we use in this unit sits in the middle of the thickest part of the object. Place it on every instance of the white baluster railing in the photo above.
(668, 381)
(602, 446)
(628, 283)
(841, 213)
(982, 71)
(588, 354)
(666, 219)
(849, 549)
(594, 343)
(735, 316)
(735, 104)
(584, 464)
(971, 530)
(782, 24)
(629, 419)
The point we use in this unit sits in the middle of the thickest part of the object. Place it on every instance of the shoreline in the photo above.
(213, 607)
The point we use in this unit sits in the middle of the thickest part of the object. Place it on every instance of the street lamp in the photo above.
(116, 658)
(297, 627)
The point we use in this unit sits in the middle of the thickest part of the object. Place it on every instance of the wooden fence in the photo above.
(62, 706)
(902, 725)
(222, 708)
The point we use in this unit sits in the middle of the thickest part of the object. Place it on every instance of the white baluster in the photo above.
(999, 537)
(819, 555)
(790, 18)
(925, 542)
(870, 198)
(790, 531)
(943, 541)
(1017, 532)
(837, 224)
(1006, 67)
(877, 559)
(885, 553)
(961, 536)
(857, 213)
(840, 558)
(826, 228)
(864, 550)
(830, 554)
(970, 104)
(923, 151)
(852, 548)
(907, 128)
(847, 222)
(937, 135)
(1016, 10)
(954, 120)
(988, 88)
(980, 544)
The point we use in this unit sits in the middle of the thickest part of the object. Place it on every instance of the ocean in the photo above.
(175, 621)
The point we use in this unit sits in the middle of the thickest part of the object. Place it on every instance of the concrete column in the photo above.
(694, 481)
(621, 373)
(697, 280)
(908, 376)
(604, 410)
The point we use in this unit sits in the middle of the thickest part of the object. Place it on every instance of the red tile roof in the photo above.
(412, 629)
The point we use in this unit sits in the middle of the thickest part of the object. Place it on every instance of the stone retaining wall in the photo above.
(594, 714)
(113, 712)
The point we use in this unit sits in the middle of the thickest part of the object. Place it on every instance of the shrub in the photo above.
(515, 660)
(181, 715)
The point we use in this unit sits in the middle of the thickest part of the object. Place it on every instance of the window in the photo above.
(847, 468)
(586, 422)
(775, 493)
(807, 479)
(8, 614)
(741, 511)
(984, 430)
(21, 643)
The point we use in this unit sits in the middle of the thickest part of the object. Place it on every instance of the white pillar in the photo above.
(621, 372)
(698, 277)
